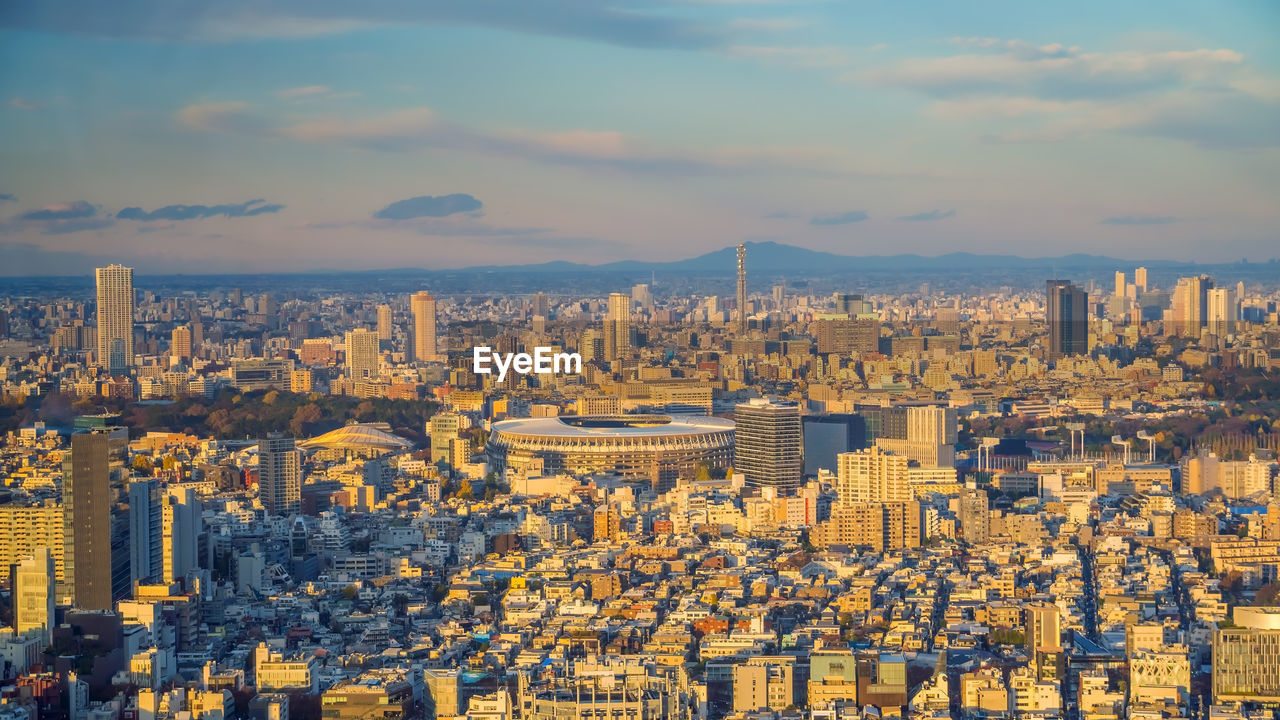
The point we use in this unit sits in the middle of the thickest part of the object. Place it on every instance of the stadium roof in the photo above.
(358, 437)
(614, 426)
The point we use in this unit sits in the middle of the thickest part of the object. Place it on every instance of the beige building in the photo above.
(115, 318)
(25, 529)
(764, 683)
(423, 306)
(1246, 658)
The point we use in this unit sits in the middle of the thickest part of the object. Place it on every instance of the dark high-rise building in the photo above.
(1066, 311)
(89, 505)
(826, 436)
(280, 475)
(768, 444)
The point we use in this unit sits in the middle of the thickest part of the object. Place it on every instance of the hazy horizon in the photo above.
(275, 137)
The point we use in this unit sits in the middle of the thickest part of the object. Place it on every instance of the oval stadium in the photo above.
(656, 448)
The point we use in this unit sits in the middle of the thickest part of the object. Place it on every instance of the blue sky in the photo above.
(312, 134)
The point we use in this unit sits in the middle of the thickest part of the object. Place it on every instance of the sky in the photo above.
(182, 136)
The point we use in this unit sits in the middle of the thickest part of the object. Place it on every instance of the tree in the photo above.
(464, 490)
(142, 463)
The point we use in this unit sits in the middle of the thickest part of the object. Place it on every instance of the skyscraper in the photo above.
(1066, 311)
(423, 305)
(742, 289)
(619, 321)
(541, 307)
(145, 542)
(180, 343)
(363, 358)
(1223, 311)
(768, 443)
(1120, 283)
(1188, 309)
(1140, 279)
(279, 475)
(384, 324)
(115, 318)
(33, 590)
(87, 502)
(181, 523)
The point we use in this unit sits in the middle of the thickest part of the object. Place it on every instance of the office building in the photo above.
(1066, 312)
(363, 358)
(423, 306)
(768, 444)
(384, 324)
(541, 306)
(1246, 657)
(1140, 279)
(1120, 284)
(33, 590)
(1188, 309)
(618, 327)
(115, 318)
(1223, 311)
(279, 475)
(828, 436)
(924, 434)
(146, 522)
(181, 525)
(742, 290)
(180, 343)
(88, 500)
(443, 429)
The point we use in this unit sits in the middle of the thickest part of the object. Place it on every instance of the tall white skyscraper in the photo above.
(1140, 279)
(280, 475)
(363, 357)
(1224, 311)
(384, 323)
(33, 590)
(423, 305)
(619, 323)
(115, 318)
(145, 518)
(181, 523)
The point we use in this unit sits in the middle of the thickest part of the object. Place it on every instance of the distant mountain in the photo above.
(777, 258)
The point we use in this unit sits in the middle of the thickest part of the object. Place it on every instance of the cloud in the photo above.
(628, 23)
(421, 128)
(8, 197)
(18, 103)
(301, 92)
(429, 206)
(929, 216)
(780, 215)
(1139, 220)
(852, 216)
(58, 219)
(777, 24)
(198, 212)
(76, 210)
(1056, 71)
(1019, 92)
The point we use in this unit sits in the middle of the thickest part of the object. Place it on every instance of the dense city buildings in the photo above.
(861, 505)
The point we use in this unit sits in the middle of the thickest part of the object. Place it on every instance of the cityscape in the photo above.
(690, 360)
